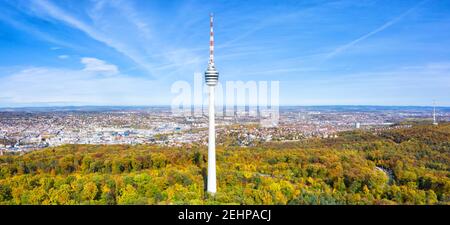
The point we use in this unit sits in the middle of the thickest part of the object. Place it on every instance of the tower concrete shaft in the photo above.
(212, 187)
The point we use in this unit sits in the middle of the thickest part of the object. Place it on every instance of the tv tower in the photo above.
(434, 113)
(211, 79)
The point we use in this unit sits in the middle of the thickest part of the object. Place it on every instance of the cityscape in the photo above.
(23, 130)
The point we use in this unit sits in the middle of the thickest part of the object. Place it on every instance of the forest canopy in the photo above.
(400, 166)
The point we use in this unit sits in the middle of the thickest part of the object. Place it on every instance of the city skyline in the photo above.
(57, 53)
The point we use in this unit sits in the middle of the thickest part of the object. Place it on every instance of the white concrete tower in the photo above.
(211, 78)
(434, 113)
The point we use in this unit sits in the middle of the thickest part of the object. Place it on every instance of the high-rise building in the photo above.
(211, 79)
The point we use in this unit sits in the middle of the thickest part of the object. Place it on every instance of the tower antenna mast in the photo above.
(211, 39)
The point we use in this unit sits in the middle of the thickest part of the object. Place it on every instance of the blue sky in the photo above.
(122, 52)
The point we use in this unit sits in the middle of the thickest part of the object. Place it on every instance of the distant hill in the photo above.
(400, 166)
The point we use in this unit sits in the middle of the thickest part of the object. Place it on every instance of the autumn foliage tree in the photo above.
(401, 166)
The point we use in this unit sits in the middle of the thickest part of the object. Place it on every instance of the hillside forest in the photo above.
(398, 166)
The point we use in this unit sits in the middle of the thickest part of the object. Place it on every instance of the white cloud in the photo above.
(57, 86)
(63, 56)
(35, 32)
(99, 66)
(120, 26)
(59, 14)
(379, 29)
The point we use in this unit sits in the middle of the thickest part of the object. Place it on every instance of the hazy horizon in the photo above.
(143, 106)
